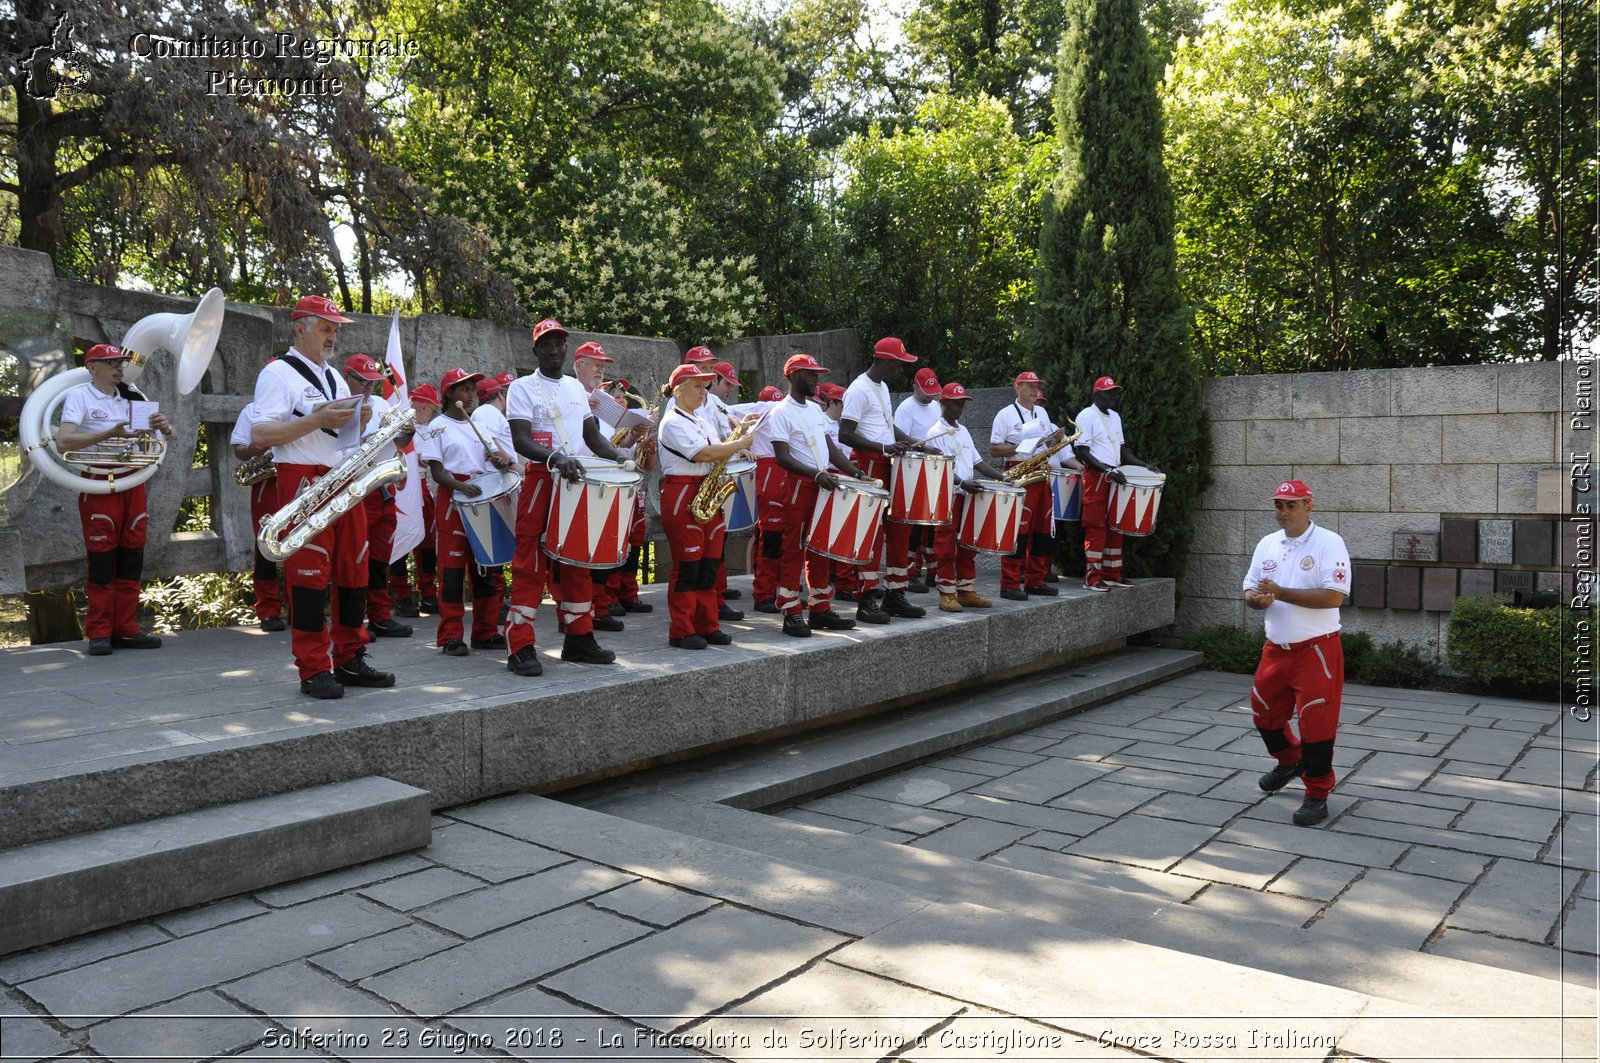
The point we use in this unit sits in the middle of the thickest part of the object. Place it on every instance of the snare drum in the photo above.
(845, 522)
(1132, 507)
(590, 520)
(741, 511)
(490, 519)
(1066, 494)
(924, 488)
(992, 520)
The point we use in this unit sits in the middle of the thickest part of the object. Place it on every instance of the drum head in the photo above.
(1139, 476)
(739, 467)
(866, 487)
(1001, 487)
(611, 476)
(491, 485)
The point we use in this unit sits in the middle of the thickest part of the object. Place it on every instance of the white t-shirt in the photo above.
(454, 445)
(241, 427)
(380, 409)
(682, 436)
(805, 428)
(714, 412)
(282, 394)
(554, 409)
(1014, 424)
(866, 402)
(1317, 559)
(917, 419)
(958, 445)
(494, 425)
(761, 441)
(92, 410)
(1102, 434)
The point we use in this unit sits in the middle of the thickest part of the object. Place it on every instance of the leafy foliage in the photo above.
(1227, 649)
(1512, 650)
(209, 599)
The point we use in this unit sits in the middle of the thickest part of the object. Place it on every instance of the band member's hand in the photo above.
(827, 481)
(118, 431)
(499, 460)
(594, 401)
(366, 413)
(1116, 477)
(329, 416)
(897, 448)
(750, 420)
(567, 467)
(972, 487)
(1055, 437)
(1152, 467)
(160, 423)
(471, 490)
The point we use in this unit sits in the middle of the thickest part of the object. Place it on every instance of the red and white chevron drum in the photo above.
(847, 521)
(1132, 506)
(590, 520)
(992, 519)
(924, 488)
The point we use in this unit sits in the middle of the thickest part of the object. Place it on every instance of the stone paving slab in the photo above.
(543, 1026)
(192, 1027)
(494, 907)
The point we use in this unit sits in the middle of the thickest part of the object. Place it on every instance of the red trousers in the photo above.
(1306, 680)
(426, 554)
(692, 595)
(957, 565)
(772, 489)
(892, 559)
(623, 583)
(1036, 543)
(265, 579)
(818, 570)
(336, 560)
(531, 570)
(114, 531)
(381, 515)
(457, 567)
(1102, 544)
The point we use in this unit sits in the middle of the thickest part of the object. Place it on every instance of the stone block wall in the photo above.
(1442, 481)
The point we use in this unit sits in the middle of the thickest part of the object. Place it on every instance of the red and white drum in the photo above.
(490, 519)
(741, 511)
(1066, 494)
(846, 522)
(1132, 506)
(924, 488)
(993, 518)
(590, 520)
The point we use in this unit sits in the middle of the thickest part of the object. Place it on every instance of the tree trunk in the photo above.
(39, 201)
(52, 617)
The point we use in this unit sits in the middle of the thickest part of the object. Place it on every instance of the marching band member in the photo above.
(723, 387)
(846, 578)
(917, 416)
(958, 565)
(801, 446)
(1023, 572)
(425, 401)
(867, 427)
(772, 487)
(552, 426)
(115, 526)
(1101, 448)
(490, 417)
(295, 415)
(454, 454)
(263, 503)
(589, 364)
(689, 446)
(623, 587)
(361, 372)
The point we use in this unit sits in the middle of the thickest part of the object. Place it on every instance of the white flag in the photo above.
(408, 498)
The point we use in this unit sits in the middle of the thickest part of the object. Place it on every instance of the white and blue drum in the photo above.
(741, 512)
(1066, 492)
(490, 519)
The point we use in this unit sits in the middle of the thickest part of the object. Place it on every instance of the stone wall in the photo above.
(1442, 481)
(46, 322)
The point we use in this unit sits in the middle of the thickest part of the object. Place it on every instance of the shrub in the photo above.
(1502, 647)
(1227, 649)
(209, 599)
(1392, 664)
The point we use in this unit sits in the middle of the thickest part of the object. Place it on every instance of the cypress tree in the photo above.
(1108, 301)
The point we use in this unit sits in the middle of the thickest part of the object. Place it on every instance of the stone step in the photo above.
(58, 889)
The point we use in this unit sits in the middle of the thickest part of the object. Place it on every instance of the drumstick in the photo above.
(488, 451)
(945, 428)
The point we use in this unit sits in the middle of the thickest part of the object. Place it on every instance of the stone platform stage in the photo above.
(215, 716)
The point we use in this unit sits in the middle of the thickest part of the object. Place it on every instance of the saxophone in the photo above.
(1032, 470)
(716, 488)
(257, 470)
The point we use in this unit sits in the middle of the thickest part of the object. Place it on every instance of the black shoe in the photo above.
(1051, 577)
(99, 647)
(494, 642)
(830, 621)
(356, 672)
(1014, 594)
(429, 606)
(1097, 587)
(273, 623)
(732, 594)
(1119, 582)
(322, 685)
(583, 649)
(895, 604)
(525, 662)
(766, 605)
(636, 606)
(454, 648)
(727, 612)
(1043, 590)
(688, 642)
(135, 642)
(916, 586)
(404, 607)
(388, 629)
(607, 623)
(845, 596)
(718, 638)
(1278, 778)
(617, 609)
(795, 624)
(869, 611)
(1311, 812)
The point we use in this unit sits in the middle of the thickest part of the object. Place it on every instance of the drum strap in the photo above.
(331, 391)
(674, 450)
(553, 412)
(819, 452)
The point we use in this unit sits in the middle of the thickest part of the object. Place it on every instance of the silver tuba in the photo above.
(337, 491)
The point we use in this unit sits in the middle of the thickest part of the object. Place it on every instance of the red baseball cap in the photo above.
(687, 372)
(798, 362)
(318, 306)
(770, 393)
(955, 392)
(699, 354)
(927, 381)
(104, 352)
(505, 379)
(592, 350)
(891, 347)
(456, 376)
(1293, 490)
(364, 367)
(1028, 376)
(831, 392)
(425, 393)
(488, 388)
(727, 372)
(549, 324)
(1105, 383)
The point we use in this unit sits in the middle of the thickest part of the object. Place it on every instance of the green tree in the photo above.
(1108, 300)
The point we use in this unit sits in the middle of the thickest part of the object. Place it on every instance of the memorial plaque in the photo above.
(1534, 542)
(1459, 544)
(1494, 542)
(1405, 587)
(1476, 581)
(1547, 581)
(1366, 586)
(1512, 582)
(1577, 543)
(1438, 589)
(1416, 546)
